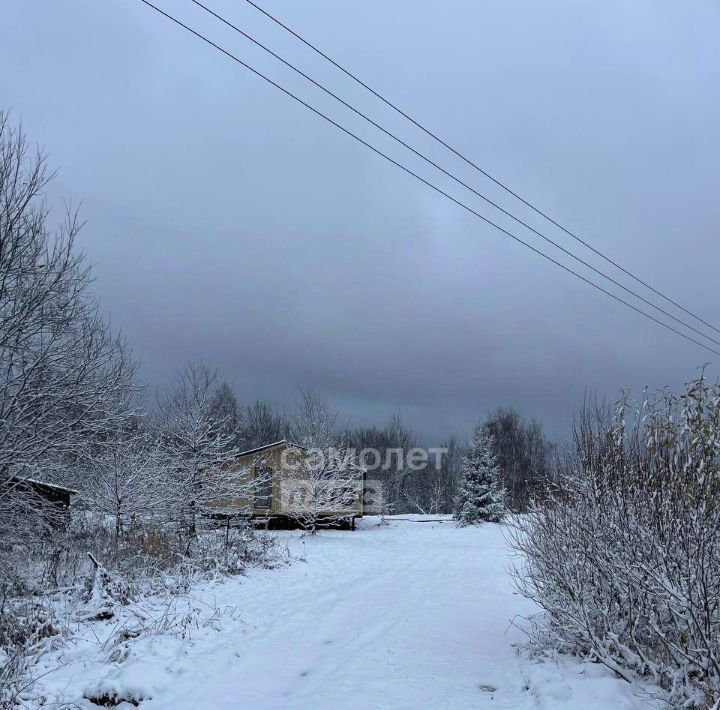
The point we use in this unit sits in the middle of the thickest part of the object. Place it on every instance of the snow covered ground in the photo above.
(413, 614)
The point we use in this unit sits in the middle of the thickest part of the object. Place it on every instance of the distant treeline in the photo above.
(525, 455)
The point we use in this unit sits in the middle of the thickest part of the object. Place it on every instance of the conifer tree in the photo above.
(481, 497)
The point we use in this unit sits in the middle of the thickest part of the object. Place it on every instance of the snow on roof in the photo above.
(282, 442)
(54, 486)
(285, 442)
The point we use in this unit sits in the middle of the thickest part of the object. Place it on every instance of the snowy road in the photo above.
(386, 617)
(407, 615)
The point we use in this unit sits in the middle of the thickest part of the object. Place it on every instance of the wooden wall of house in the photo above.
(246, 466)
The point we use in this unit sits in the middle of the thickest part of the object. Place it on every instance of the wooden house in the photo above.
(276, 485)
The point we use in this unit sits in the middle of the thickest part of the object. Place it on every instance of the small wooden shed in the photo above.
(50, 499)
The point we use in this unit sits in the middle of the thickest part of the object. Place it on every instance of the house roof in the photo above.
(44, 484)
(276, 444)
(286, 443)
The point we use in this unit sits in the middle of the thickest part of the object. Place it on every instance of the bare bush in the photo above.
(624, 556)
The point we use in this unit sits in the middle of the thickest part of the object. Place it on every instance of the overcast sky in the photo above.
(229, 224)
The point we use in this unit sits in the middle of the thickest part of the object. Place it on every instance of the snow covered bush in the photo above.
(29, 627)
(231, 548)
(481, 497)
(15, 672)
(63, 593)
(624, 555)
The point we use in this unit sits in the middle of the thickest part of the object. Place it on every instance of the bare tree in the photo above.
(432, 487)
(524, 454)
(314, 424)
(396, 480)
(324, 485)
(128, 478)
(260, 424)
(224, 408)
(198, 442)
(66, 379)
(448, 476)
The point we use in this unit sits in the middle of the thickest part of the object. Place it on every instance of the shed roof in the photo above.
(275, 444)
(44, 484)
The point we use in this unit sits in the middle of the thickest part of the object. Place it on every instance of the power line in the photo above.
(452, 176)
(421, 179)
(474, 165)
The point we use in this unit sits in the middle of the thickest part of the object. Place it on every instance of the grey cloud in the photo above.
(228, 224)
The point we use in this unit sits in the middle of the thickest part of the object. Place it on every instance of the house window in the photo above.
(263, 487)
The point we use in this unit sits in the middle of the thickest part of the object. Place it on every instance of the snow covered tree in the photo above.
(127, 478)
(66, 378)
(322, 489)
(481, 497)
(198, 443)
(325, 484)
